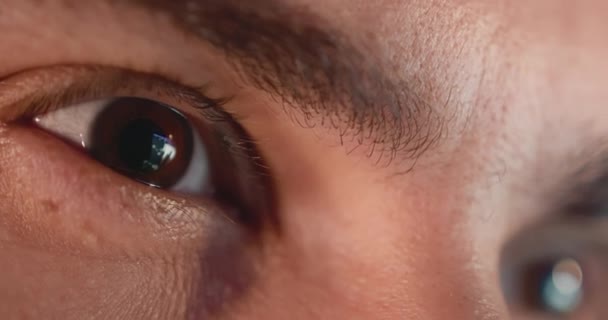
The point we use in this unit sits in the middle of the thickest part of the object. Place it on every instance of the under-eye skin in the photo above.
(162, 134)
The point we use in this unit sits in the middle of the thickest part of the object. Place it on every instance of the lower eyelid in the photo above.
(62, 200)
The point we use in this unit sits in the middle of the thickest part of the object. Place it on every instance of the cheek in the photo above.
(79, 240)
(37, 285)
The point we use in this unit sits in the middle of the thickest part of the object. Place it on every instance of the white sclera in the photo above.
(75, 123)
(196, 179)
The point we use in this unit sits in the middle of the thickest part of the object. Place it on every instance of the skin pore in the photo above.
(407, 143)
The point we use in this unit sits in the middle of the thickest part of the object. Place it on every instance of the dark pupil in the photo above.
(144, 147)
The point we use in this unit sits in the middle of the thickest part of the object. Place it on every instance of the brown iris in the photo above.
(144, 139)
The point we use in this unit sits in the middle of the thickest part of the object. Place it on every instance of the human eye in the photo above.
(557, 270)
(167, 137)
(147, 140)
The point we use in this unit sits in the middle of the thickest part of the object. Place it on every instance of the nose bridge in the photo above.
(437, 288)
(427, 276)
(446, 286)
(433, 293)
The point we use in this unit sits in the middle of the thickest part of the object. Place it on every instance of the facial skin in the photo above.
(474, 121)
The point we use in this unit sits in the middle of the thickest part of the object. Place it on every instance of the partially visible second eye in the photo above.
(558, 271)
(146, 140)
(554, 285)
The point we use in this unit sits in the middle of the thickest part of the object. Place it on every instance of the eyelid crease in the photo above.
(59, 86)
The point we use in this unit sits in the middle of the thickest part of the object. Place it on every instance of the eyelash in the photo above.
(85, 83)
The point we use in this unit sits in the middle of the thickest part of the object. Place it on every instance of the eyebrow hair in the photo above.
(304, 62)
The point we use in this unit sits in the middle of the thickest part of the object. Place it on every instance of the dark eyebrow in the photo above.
(303, 61)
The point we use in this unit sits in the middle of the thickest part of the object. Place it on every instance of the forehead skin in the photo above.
(527, 81)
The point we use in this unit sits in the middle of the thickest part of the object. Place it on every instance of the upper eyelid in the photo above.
(31, 93)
